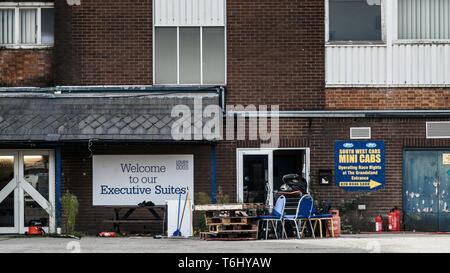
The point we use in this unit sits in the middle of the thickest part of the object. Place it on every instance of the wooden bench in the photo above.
(118, 219)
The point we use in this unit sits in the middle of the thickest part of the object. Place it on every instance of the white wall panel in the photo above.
(189, 12)
(361, 65)
(413, 64)
(421, 64)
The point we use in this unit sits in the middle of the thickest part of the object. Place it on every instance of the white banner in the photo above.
(123, 180)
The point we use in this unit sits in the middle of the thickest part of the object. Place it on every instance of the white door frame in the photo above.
(20, 186)
(240, 152)
(240, 171)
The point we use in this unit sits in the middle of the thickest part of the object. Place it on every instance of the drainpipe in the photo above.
(58, 187)
(213, 173)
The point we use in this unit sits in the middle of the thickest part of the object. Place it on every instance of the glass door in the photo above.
(27, 190)
(37, 183)
(9, 193)
(255, 177)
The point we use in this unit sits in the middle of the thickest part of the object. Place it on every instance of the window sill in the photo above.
(25, 46)
(429, 42)
(355, 43)
(168, 85)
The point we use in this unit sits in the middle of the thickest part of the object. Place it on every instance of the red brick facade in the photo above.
(103, 43)
(275, 53)
(26, 67)
(387, 98)
(319, 135)
(275, 56)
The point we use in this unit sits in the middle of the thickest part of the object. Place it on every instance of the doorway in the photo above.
(260, 172)
(426, 187)
(27, 190)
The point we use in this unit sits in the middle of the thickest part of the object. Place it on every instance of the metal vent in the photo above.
(360, 133)
(438, 129)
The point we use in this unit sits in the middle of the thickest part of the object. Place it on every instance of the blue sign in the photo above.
(359, 165)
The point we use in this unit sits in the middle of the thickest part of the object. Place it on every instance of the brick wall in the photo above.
(275, 53)
(319, 135)
(76, 169)
(275, 50)
(387, 98)
(104, 42)
(26, 67)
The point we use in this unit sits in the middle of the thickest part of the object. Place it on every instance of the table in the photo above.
(118, 220)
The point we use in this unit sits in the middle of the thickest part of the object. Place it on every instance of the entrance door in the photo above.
(444, 190)
(426, 186)
(255, 183)
(260, 171)
(26, 190)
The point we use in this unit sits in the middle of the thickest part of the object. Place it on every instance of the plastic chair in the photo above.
(319, 217)
(304, 211)
(277, 216)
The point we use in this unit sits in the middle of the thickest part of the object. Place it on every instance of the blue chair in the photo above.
(277, 216)
(304, 212)
(319, 217)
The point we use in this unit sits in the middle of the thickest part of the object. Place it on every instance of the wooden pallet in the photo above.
(221, 207)
(229, 235)
(231, 222)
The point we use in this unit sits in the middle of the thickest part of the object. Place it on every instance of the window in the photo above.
(189, 55)
(7, 26)
(26, 25)
(424, 19)
(354, 20)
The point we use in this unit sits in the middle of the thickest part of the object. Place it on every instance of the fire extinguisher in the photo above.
(392, 221)
(107, 234)
(397, 219)
(378, 224)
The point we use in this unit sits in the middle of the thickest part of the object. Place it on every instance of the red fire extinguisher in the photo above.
(107, 234)
(378, 224)
(394, 220)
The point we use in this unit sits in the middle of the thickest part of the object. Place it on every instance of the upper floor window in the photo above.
(354, 20)
(189, 55)
(27, 25)
(424, 19)
(189, 42)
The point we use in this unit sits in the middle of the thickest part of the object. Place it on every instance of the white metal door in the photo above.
(30, 194)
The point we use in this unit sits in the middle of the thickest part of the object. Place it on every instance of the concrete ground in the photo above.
(361, 243)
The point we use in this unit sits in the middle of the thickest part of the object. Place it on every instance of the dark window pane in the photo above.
(190, 55)
(355, 20)
(47, 28)
(166, 55)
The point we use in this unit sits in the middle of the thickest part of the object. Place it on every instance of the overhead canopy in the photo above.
(134, 116)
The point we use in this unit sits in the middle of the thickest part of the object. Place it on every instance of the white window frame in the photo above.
(383, 28)
(17, 6)
(178, 51)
